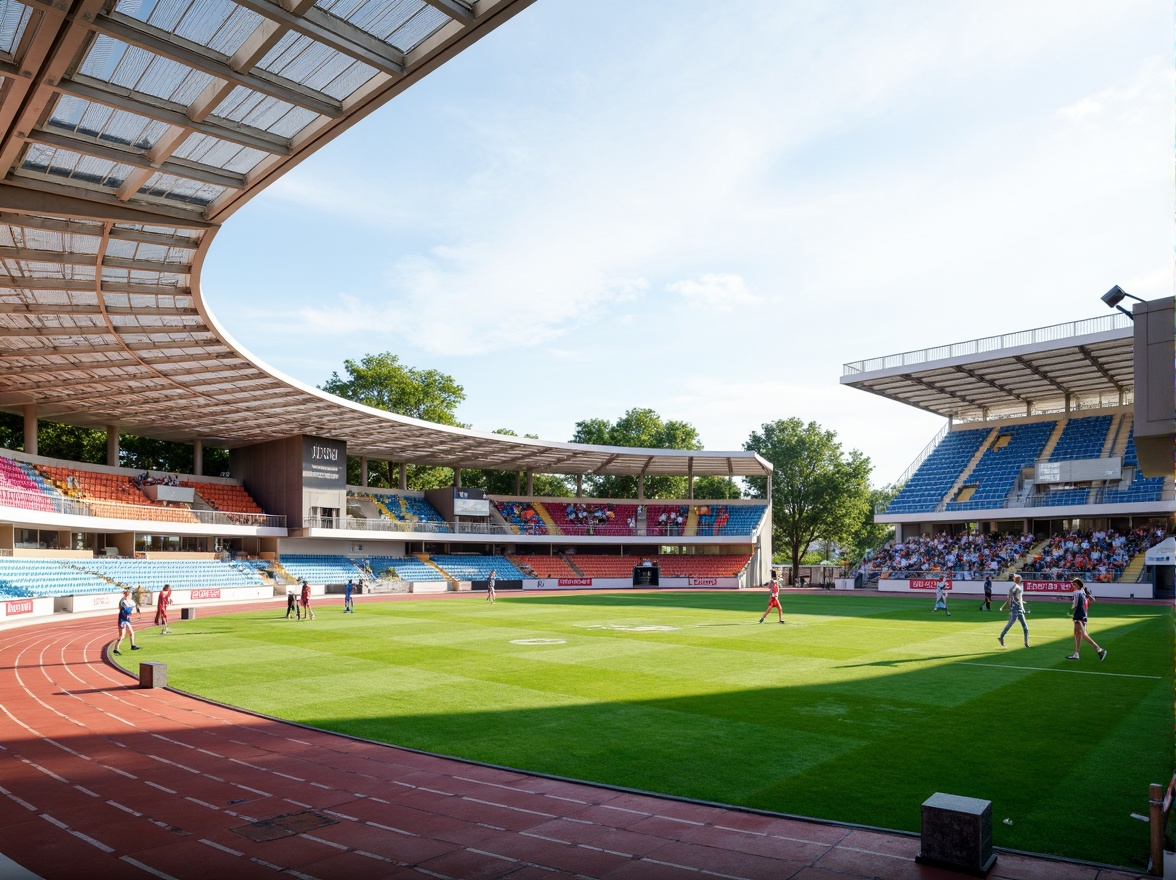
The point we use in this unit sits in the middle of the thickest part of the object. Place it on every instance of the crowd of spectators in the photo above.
(964, 556)
(145, 479)
(523, 515)
(590, 515)
(669, 522)
(1099, 555)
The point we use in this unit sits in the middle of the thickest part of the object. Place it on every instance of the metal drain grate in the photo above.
(286, 825)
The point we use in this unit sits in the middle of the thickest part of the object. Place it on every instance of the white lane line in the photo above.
(483, 852)
(520, 809)
(90, 840)
(389, 828)
(119, 772)
(1055, 669)
(288, 776)
(86, 791)
(160, 787)
(223, 849)
(254, 790)
(202, 803)
(44, 770)
(324, 842)
(142, 867)
(16, 799)
(119, 806)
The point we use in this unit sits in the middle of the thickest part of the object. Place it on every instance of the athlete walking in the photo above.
(126, 605)
(162, 603)
(1017, 610)
(773, 600)
(941, 595)
(1082, 598)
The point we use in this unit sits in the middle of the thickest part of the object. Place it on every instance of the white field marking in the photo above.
(630, 627)
(118, 771)
(366, 854)
(626, 810)
(123, 720)
(300, 742)
(672, 819)
(212, 777)
(300, 875)
(538, 641)
(320, 785)
(488, 825)
(213, 754)
(298, 804)
(90, 840)
(286, 775)
(742, 831)
(174, 764)
(223, 849)
(54, 742)
(379, 800)
(172, 741)
(160, 787)
(483, 852)
(247, 764)
(202, 803)
(430, 790)
(17, 799)
(1070, 671)
(557, 797)
(125, 809)
(495, 785)
(324, 842)
(508, 807)
(44, 770)
(390, 828)
(342, 815)
(254, 790)
(266, 864)
(670, 864)
(86, 791)
(142, 867)
(543, 837)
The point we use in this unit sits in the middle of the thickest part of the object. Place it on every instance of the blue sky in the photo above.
(708, 208)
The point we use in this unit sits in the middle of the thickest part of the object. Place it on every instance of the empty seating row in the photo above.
(1082, 437)
(938, 472)
(191, 574)
(1016, 446)
(407, 568)
(468, 567)
(542, 565)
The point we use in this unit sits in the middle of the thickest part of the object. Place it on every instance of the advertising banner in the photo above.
(324, 463)
(704, 582)
(927, 583)
(206, 594)
(575, 582)
(18, 606)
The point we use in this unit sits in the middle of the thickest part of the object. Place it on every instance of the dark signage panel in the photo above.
(324, 463)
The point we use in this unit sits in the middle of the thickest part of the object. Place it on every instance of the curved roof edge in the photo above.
(130, 133)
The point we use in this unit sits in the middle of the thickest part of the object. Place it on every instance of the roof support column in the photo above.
(457, 477)
(403, 475)
(518, 483)
(1028, 407)
(690, 479)
(112, 445)
(363, 470)
(198, 457)
(1068, 402)
(641, 488)
(30, 428)
(579, 485)
(530, 482)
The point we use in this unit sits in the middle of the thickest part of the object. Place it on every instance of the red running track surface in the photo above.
(99, 779)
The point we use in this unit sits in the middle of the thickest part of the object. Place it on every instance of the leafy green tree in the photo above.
(382, 382)
(716, 487)
(818, 491)
(870, 534)
(645, 429)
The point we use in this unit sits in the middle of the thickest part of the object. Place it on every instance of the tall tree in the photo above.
(641, 428)
(818, 491)
(870, 534)
(381, 381)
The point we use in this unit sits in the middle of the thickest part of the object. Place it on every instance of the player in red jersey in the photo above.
(162, 602)
(774, 601)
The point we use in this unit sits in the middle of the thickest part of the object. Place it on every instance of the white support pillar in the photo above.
(457, 477)
(112, 445)
(641, 488)
(198, 457)
(579, 485)
(30, 428)
(363, 470)
(403, 475)
(530, 483)
(690, 478)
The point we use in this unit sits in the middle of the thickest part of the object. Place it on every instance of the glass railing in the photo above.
(23, 499)
(472, 528)
(1102, 495)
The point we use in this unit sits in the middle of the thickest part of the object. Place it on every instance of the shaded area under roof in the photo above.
(130, 130)
(1083, 363)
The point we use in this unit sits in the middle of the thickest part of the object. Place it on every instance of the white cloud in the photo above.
(719, 292)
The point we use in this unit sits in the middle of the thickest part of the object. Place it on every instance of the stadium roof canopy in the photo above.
(131, 129)
(1050, 369)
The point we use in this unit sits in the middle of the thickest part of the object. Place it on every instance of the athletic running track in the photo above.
(101, 779)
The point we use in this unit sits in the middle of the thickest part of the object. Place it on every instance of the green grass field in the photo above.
(857, 710)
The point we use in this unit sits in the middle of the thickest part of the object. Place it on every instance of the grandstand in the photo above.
(1040, 443)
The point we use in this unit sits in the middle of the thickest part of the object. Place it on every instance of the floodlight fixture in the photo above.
(1115, 295)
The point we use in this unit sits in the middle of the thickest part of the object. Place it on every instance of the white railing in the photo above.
(24, 499)
(1052, 333)
(1039, 500)
(471, 528)
(922, 456)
